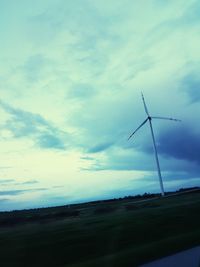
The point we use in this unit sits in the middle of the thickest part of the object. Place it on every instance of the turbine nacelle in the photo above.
(149, 118)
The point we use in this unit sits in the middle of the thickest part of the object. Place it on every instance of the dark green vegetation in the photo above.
(114, 233)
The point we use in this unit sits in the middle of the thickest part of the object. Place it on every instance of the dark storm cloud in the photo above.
(119, 159)
(178, 149)
(180, 143)
(26, 124)
(181, 175)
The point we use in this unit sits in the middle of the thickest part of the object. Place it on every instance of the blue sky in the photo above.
(70, 83)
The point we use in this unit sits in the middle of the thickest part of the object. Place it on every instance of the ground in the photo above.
(115, 233)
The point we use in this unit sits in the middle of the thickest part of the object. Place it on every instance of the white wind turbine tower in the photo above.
(149, 118)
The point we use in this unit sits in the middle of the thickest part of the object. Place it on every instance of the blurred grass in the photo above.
(122, 233)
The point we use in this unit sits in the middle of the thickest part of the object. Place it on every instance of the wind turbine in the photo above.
(149, 118)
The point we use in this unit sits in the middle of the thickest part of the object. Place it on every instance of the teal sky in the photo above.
(71, 73)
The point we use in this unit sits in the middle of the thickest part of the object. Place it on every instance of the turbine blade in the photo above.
(145, 106)
(138, 128)
(164, 118)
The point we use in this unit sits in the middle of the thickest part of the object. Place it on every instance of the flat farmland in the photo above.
(113, 233)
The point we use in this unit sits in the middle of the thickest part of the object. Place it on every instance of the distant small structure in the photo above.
(149, 118)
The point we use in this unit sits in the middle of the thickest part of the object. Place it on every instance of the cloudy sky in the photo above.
(71, 76)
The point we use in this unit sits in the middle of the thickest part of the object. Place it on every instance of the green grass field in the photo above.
(118, 234)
